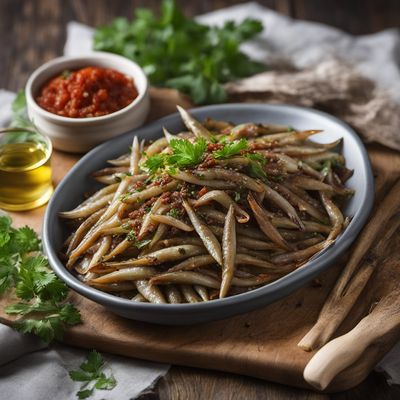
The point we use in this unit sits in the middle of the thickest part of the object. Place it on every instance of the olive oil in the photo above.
(25, 175)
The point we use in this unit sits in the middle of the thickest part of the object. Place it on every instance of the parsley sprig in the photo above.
(42, 309)
(231, 149)
(178, 52)
(256, 166)
(91, 373)
(184, 154)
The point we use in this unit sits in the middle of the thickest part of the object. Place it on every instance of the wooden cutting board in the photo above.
(262, 343)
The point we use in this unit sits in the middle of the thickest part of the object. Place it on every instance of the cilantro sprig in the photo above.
(42, 309)
(256, 166)
(184, 154)
(231, 149)
(91, 373)
(178, 52)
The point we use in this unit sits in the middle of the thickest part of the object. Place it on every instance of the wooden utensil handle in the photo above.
(352, 281)
(344, 351)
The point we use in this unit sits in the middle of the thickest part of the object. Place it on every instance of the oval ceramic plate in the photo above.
(70, 191)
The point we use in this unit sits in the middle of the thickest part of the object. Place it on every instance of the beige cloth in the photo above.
(330, 86)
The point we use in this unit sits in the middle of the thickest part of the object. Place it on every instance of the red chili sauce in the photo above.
(87, 92)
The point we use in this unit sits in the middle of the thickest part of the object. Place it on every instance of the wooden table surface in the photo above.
(33, 31)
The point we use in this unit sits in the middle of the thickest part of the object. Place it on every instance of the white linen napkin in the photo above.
(302, 43)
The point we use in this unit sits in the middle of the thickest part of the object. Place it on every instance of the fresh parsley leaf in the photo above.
(35, 279)
(91, 372)
(154, 163)
(178, 52)
(231, 149)
(255, 167)
(256, 157)
(26, 240)
(5, 227)
(52, 322)
(187, 154)
(42, 310)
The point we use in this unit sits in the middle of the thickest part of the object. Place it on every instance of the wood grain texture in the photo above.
(261, 344)
(33, 31)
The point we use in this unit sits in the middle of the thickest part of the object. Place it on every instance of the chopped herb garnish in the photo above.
(131, 237)
(174, 213)
(231, 149)
(237, 196)
(125, 196)
(91, 373)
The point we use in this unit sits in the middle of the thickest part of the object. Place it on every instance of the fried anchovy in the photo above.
(210, 241)
(265, 224)
(193, 125)
(228, 252)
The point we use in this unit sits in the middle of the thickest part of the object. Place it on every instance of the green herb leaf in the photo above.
(174, 213)
(48, 319)
(22, 266)
(178, 52)
(131, 236)
(187, 154)
(91, 373)
(255, 167)
(154, 163)
(84, 394)
(231, 149)
(104, 383)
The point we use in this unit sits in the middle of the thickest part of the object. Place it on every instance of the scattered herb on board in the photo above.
(91, 374)
(42, 309)
(178, 52)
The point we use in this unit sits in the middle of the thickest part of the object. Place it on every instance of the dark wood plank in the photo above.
(32, 32)
(196, 384)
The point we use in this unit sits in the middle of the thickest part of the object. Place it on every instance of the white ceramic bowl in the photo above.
(78, 135)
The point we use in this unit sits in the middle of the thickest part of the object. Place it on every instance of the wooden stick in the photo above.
(340, 353)
(350, 284)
